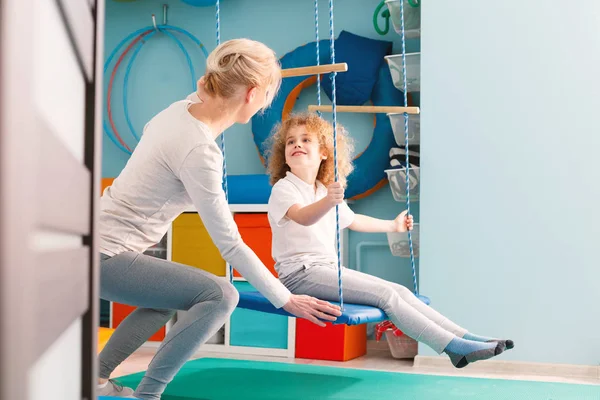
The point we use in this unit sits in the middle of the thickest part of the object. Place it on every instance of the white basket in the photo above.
(414, 128)
(402, 346)
(399, 245)
(413, 71)
(397, 179)
(412, 18)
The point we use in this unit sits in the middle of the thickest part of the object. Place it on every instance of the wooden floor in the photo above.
(378, 358)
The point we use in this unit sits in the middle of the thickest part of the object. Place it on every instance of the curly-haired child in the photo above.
(301, 213)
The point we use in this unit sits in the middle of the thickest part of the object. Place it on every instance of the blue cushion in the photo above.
(353, 314)
(364, 57)
(248, 189)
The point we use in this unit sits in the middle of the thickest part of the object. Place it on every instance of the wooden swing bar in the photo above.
(366, 109)
(314, 70)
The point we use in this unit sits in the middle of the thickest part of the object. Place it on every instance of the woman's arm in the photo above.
(201, 174)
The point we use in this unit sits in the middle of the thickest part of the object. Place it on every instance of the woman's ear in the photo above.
(251, 94)
(200, 83)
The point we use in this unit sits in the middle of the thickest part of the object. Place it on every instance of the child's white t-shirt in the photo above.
(177, 165)
(296, 246)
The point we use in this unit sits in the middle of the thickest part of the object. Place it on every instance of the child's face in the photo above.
(302, 150)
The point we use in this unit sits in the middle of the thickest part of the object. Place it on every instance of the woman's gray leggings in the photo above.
(403, 308)
(159, 288)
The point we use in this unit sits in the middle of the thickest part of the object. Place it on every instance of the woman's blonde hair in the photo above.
(242, 62)
(323, 130)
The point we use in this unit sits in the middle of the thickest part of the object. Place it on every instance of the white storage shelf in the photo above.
(413, 71)
(414, 128)
(397, 180)
(399, 245)
(412, 17)
(404, 347)
(221, 341)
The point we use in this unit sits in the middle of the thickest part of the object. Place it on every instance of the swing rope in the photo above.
(225, 188)
(333, 100)
(405, 92)
(318, 55)
(333, 103)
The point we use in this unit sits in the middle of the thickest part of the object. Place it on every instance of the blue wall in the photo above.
(160, 76)
(510, 179)
(509, 228)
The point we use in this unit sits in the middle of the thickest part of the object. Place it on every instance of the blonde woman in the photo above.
(177, 164)
(302, 217)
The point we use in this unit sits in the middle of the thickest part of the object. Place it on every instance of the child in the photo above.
(302, 217)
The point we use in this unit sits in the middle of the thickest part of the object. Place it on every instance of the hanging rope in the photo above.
(318, 55)
(333, 100)
(405, 92)
(218, 22)
(225, 189)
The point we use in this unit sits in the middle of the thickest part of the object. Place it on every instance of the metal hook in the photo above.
(154, 21)
(165, 14)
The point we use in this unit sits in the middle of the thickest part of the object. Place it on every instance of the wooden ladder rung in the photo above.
(366, 109)
(314, 70)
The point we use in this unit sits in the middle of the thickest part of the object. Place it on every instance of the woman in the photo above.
(176, 165)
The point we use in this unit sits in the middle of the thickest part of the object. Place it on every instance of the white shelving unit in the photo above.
(397, 177)
(225, 332)
(412, 18)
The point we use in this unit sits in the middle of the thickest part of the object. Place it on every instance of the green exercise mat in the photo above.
(215, 379)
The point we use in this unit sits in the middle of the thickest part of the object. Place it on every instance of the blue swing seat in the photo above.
(353, 314)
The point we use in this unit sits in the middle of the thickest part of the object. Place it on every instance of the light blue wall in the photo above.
(510, 178)
(160, 76)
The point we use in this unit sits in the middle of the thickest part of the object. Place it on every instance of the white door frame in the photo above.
(46, 195)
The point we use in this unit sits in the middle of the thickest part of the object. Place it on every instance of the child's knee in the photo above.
(388, 297)
(403, 291)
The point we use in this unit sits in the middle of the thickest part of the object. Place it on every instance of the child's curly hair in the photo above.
(323, 129)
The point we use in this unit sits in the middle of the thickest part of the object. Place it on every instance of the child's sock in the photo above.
(462, 352)
(509, 344)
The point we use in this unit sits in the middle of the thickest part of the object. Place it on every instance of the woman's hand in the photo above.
(403, 223)
(312, 309)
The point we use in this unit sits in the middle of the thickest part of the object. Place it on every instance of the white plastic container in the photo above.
(412, 18)
(397, 180)
(413, 71)
(402, 347)
(399, 245)
(414, 128)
